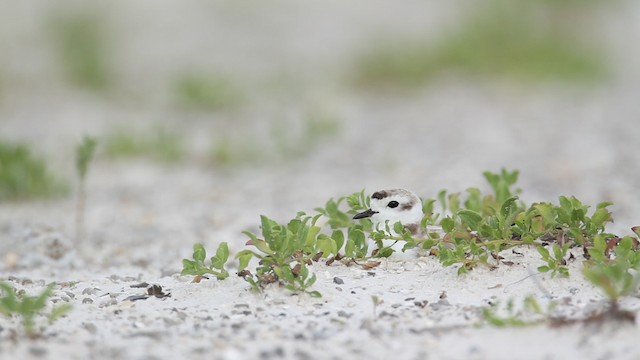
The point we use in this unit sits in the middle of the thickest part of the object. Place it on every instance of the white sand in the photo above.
(143, 218)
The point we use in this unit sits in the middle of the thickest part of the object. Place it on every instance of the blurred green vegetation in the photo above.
(155, 144)
(206, 92)
(523, 40)
(24, 176)
(316, 126)
(81, 45)
(287, 140)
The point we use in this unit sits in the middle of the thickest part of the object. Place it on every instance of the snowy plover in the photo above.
(399, 205)
(396, 205)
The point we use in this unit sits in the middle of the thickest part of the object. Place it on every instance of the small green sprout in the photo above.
(14, 303)
(198, 267)
(556, 259)
(84, 154)
(530, 314)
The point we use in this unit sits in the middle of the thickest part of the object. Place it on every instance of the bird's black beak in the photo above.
(365, 214)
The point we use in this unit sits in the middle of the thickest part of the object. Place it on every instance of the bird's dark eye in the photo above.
(393, 204)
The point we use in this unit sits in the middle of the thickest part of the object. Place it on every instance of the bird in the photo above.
(392, 206)
(398, 205)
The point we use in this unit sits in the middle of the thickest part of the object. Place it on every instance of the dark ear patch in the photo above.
(379, 195)
(406, 207)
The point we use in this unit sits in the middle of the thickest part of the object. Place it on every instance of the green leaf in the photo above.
(443, 200)
(384, 252)
(427, 206)
(332, 208)
(508, 207)
(268, 228)
(244, 257)
(447, 224)
(315, 294)
(338, 237)
(474, 200)
(600, 217)
(188, 267)
(327, 245)
(251, 235)
(544, 252)
(454, 202)
(222, 254)
(471, 218)
(199, 253)
(223, 274)
(262, 246)
(312, 234)
(285, 273)
(565, 203)
(543, 268)
(310, 281)
(349, 248)
(547, 212)
(356, 243)
(398, 228)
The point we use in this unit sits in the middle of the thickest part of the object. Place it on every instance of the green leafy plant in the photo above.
(24, 176)
(283, 253)
(84, 154)
(198, 265)
(618, 276)
(27, 307)
(476, 228)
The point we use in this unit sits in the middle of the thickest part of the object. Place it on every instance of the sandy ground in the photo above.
(143, 217)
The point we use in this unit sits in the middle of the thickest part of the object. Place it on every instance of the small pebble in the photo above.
(90, 327)
(421, 304)
(37, 351)
(338, 281)
(89, 291)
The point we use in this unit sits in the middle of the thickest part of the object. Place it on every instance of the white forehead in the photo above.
(408, 211)
(403, 197)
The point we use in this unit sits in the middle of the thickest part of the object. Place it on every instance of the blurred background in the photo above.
(208, 114)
